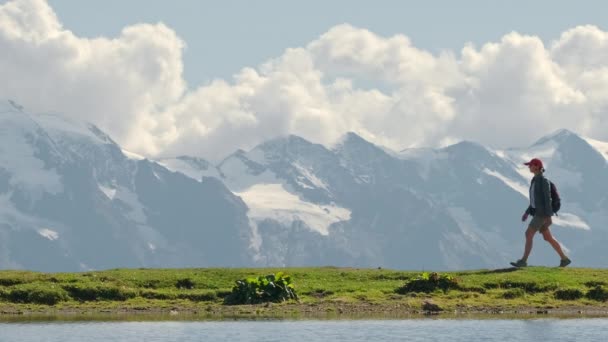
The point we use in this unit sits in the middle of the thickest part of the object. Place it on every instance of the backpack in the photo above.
(556, 202)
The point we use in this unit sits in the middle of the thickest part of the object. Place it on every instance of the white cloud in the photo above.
(122, 84)
(503, 93)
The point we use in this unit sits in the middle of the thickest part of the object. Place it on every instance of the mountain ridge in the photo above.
(67, 188)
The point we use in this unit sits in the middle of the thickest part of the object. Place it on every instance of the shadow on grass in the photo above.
(499, 270)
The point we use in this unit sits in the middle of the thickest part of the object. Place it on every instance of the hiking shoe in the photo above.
(564, 262)
(519, 263)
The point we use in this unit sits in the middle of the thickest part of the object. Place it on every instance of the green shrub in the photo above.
(514, 293)
(477, 289)
(10, 281)
(598, 293)
(149, 284)
(391, 277)
(156, 294)
(185, 283)
(36, 294)
(195, 296)
(529, 287)
(595, 283)
(271, 288)
(85, 292)
(429, 283)
(491, 286)
(199, 296)
(569, 294)
(319, 293)
(223, 293)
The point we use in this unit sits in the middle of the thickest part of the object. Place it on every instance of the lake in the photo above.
(453, 330)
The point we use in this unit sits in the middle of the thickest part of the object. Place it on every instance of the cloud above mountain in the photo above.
(503, 93)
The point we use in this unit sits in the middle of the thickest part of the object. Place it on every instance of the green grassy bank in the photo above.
(320, 290)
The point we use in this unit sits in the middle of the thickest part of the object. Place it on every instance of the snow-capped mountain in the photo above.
(358, 204)
(72, 199)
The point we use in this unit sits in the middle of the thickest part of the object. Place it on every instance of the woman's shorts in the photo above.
(538, 223)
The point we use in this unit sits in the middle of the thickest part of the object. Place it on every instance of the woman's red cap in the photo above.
(535, 162)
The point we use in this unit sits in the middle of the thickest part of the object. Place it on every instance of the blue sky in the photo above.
(224, 36)
(206, 78)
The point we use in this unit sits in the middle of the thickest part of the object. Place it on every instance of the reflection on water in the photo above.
(317, 316)
(454, 330)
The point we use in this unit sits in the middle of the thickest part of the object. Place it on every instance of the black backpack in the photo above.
(556, 201)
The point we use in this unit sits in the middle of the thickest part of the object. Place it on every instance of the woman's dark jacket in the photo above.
(542, 196)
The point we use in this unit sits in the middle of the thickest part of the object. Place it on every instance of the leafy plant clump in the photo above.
(271, 288)
(428, 283)
(35, 294)
(95, 292)
(476, 289)
(528, 287)
(595, 283)
(185, 283)
(569, 294)
(514, 293)
(10, 281)
(598, 293)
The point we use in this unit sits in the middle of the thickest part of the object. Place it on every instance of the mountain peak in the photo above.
(466, 145)
(284, 140)
(350, 140)
(558, 136)
(352, 137)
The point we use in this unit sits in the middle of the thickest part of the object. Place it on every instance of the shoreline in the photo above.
(292, 311)
(324, 293)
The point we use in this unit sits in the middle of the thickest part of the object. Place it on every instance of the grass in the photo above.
(321, 289)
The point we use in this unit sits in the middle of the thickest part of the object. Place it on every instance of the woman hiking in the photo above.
(541, 210)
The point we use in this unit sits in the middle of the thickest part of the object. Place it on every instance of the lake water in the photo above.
(533, 330)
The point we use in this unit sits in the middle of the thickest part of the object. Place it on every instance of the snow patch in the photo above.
(466, 223)
(239, 177)
(470, 236)
(189, 169)
(255, 243)
(131, 155)
(517, 186)
(109, 192)
(500, 154)
(63, 128)
(18, 156)
(130, 198)
(274, 202)
(49, 234)
(311, 177)
(14, 219)
(363, 179)
(600, 146)
(154, 240)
